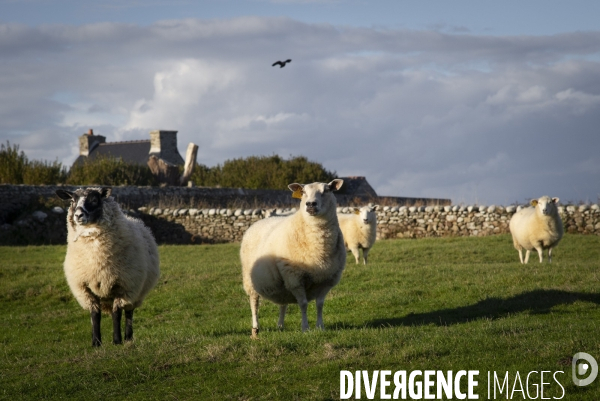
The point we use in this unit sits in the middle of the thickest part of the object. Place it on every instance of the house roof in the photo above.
(134, 152)
(356, 186)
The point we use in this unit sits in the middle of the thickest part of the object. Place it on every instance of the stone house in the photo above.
(357, 186)
(160, 154)
(162, 145)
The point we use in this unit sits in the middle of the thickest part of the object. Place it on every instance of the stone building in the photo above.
(160, 154)
(357, 186)
(162, 144)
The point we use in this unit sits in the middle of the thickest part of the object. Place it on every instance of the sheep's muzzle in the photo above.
(312, 210)
(80, 216)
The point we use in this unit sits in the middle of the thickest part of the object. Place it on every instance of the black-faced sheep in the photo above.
(296, 258)
(537, 228)
(112, 259)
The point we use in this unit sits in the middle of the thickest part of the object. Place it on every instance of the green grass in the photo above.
(439, 304)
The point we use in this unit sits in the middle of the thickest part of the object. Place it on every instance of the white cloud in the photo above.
(180, 91)
(578, 100)
(420, 113)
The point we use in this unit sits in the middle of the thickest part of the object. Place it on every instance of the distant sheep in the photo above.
(112, 259)
(537, 228)
(360, 230)
(297, 258)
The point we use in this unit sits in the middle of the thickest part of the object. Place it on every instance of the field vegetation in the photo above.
(254, 172)
(261, 172)
(438, 304)
(110, 171)
(16, 168)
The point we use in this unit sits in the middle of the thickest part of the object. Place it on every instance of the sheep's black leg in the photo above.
(116, 318)
(129, 325)
(96, 335)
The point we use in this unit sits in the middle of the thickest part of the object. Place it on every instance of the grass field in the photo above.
(431, 304)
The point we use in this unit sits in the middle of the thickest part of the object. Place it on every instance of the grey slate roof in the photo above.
(134, 152)
(356, 186)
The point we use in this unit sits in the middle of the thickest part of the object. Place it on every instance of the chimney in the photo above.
(87, 142)
(163, 144)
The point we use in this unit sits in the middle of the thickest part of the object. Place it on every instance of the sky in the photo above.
(477, 101)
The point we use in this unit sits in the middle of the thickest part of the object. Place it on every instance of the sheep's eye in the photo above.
(93, 201)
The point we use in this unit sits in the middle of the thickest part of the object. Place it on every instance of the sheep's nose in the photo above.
(78, 214)
(311, 204)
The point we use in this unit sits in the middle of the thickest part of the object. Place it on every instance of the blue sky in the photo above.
(477, 101)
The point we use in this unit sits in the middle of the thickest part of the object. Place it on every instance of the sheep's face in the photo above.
(317, 198)
(367, 214)
(86, 204)
(545, 205)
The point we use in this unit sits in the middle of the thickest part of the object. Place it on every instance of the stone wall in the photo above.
(459, 220)
(215, 225)
(14, 199)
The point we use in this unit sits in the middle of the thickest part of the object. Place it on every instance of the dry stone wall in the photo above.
(436, 221)
(16, 198)
(229, 225)
(46, 223)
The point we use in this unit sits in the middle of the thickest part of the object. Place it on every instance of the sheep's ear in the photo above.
(105, 192)
(534, 202)
(555, 200)
(356, 210)
(374, 207)
(64, 195)
(296, 190)
(336, 184)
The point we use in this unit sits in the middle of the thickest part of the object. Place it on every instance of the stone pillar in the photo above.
(163, 144)
(87, 142)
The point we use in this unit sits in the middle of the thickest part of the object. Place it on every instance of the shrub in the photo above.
(110, 171)
(254, 172)
(44, 173)
(12, 164)
(15, 168)
(262, 172)
(205, 176)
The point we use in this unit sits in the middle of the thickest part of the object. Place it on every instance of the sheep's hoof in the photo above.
(254, 335)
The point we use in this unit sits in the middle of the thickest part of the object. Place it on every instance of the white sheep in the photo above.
(112, 259)
(360, 230)
(537, 228)
(296, 258)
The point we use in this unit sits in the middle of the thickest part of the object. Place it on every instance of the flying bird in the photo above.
(281, 64)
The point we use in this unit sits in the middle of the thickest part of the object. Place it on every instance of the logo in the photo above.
(584, 364)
